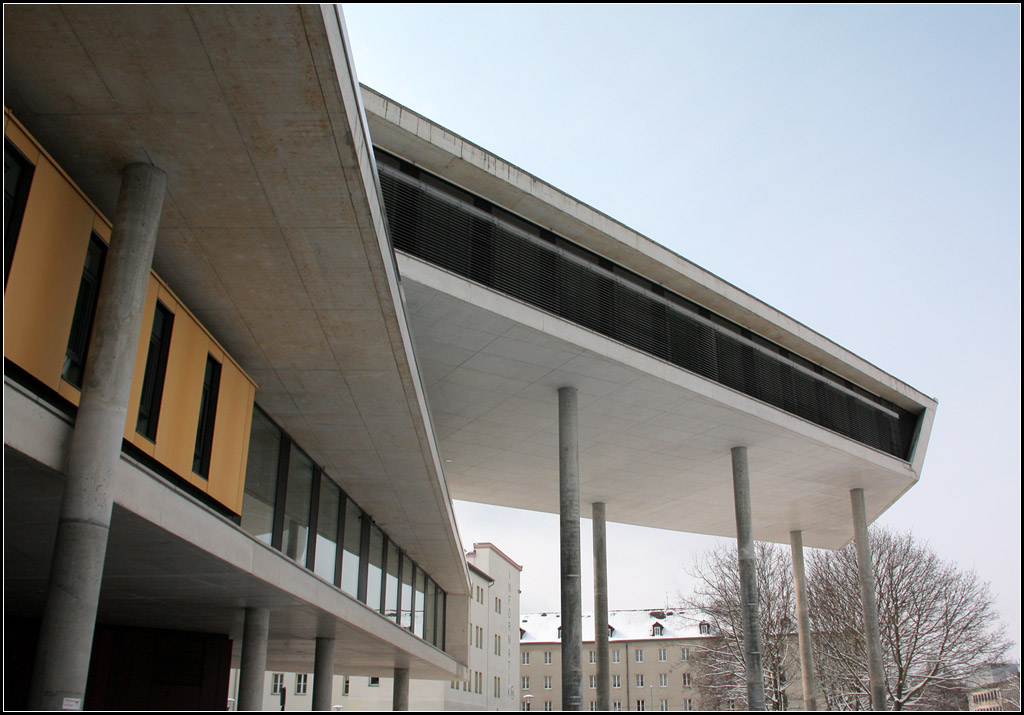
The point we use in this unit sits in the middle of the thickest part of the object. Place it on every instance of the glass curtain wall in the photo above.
(288, 497)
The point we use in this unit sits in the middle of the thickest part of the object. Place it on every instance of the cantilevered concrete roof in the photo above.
(655, 439)
(272, 231)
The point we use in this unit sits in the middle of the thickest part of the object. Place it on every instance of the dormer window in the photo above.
(705, 628)
(657, 630)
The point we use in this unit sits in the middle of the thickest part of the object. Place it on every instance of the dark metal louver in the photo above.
(446, 226)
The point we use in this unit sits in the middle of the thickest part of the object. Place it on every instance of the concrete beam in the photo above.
(751, 612)
(400, 694)
(569, 534)
(803, 620)
(601, 607)
(323, 674)
(255, 638)
(872, 634)
(76, 571)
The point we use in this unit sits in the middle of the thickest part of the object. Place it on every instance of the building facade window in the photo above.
(593, 682)
(640, 706)
(547, 657)
(293, 505)
(615, 656)
(18, 173)
(617, 706)
(497, 686)
(664, 706)
(639, 655)
(657, 630)
(497, 645)
(301, 681)
(547, 706)
(639, 680)
(525, 682)
(686, 654)
(85, 311)
(526, 657)
(156, 370)
(207, 418)
(547, 682)
(662, 655)
(374, 682)
(497, 605)
(593, 657)
(276, 683)
(686, 680)
(663, 680)
(688, 704)
(616, 681)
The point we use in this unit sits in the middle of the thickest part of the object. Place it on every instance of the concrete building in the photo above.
(316, 317)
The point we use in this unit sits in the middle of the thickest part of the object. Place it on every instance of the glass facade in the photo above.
(288, 498)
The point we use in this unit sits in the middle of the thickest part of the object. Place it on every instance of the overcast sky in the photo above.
(857, 168)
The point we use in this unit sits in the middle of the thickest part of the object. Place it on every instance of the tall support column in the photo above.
(323, 674)
(76, 571)
(749, 609)
(251, 674)
(803, 620)
(400, 694)
(872, 635)
(569, 533)
(601, 608)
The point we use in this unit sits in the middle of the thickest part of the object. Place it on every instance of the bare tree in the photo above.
(719, 666)
(938, 623)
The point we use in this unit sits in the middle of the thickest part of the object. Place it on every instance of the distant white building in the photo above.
(651, 660)
(493, 656)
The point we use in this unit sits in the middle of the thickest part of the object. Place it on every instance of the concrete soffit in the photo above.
(272, 232)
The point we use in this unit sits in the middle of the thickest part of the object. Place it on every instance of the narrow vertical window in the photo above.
(85, 311)
(156, 369)
(207, 418)
(17, 180)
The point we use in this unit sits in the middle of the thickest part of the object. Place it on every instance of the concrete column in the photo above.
(569, 533)
(76, 571)
(749, 609)
(253, 668)
(400, 694)
(323, 674)
(803, 620)
(872, 635)
(604, 693)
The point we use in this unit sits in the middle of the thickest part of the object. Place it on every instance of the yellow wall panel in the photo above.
(230, 436)
(39, 302)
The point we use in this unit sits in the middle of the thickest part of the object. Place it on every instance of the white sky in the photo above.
(857, 168)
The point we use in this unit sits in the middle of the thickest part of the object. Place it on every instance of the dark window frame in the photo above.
(207, 418)
(76, 354)
(151, 399)
(15, 201)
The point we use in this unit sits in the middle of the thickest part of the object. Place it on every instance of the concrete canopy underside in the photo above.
(271, 231)
(655, 440)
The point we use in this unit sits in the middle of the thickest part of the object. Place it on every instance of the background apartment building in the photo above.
(652, 666)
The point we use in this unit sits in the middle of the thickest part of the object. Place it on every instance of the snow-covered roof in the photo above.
(626, 625)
